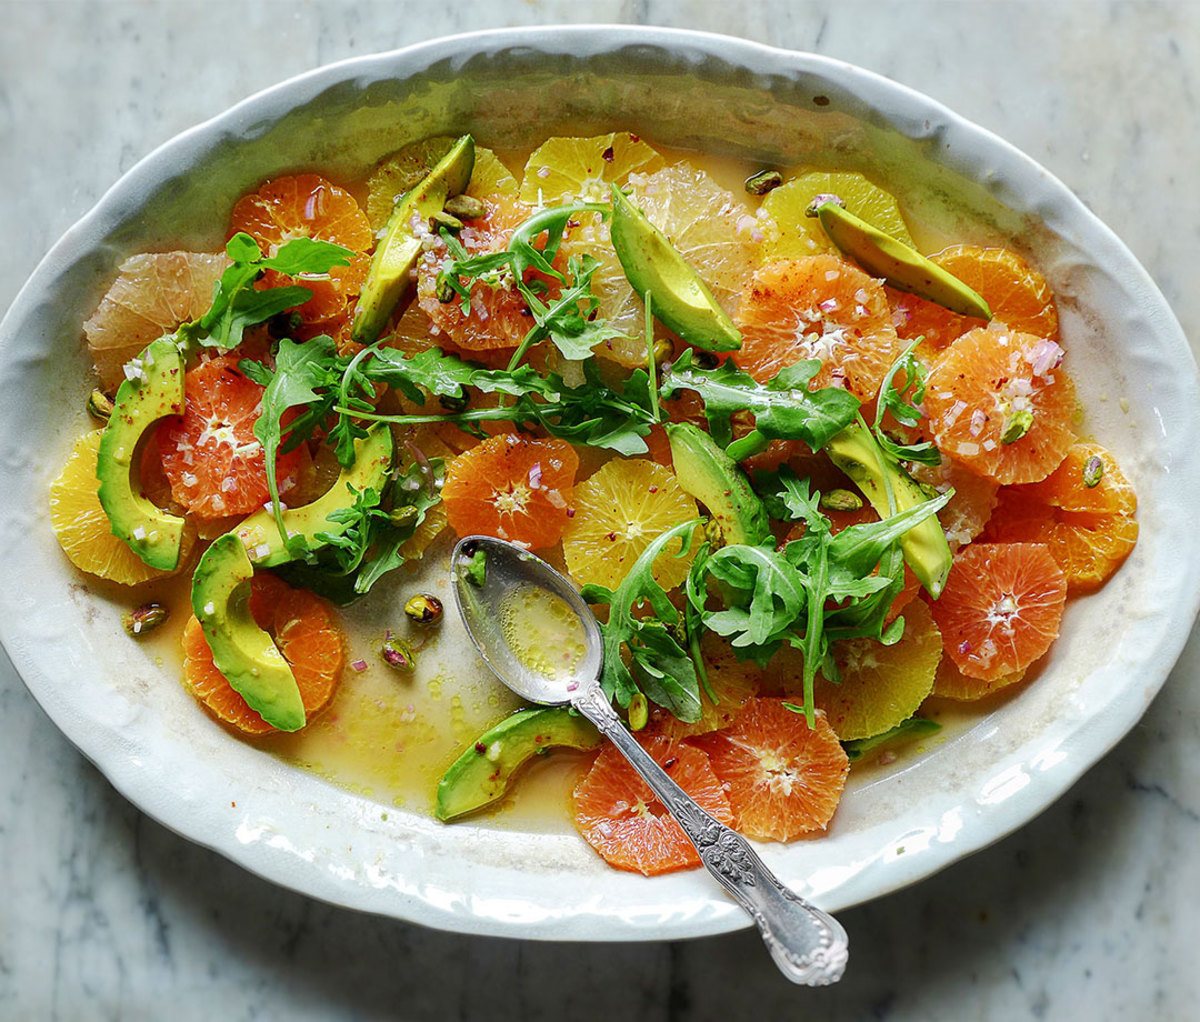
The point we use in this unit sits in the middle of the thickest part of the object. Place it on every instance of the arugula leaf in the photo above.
(299, 370)
(783, 408)
(659, 667)
(903, 404)
(237, 304)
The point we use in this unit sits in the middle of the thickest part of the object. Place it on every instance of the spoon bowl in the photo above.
(540, 638)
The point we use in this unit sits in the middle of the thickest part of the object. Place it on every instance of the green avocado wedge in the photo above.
(388, 280)
(713, 478)
(260, 534)
(679, 299)
(482, 774)
(242, 651)
(924, 545)
(152, 393)
(903, 267)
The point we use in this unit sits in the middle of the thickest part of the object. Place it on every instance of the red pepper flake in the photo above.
(608, 155)
(480, 748)
(635, 139)
(669, 762)
(653, 489)
(611, 536)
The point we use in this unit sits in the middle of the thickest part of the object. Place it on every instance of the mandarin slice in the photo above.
(951, 683)
(575, 169)
(304, 628)
(624, 820)
(619, 511)
(1001, 608)
(783, 779)
(818, 308)
(512, 487)
(1002, 404)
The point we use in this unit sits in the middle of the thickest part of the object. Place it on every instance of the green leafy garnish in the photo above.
(474, 568)
(783, 408)
(903, 403)
(659, 666)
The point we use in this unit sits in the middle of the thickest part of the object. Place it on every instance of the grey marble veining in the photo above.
(1090, 912)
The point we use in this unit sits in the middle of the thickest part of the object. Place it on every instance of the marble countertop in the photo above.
(1091, 911)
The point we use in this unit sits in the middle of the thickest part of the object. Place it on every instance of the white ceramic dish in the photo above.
(1132, 365)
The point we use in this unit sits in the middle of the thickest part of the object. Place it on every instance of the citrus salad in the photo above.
(812, 480)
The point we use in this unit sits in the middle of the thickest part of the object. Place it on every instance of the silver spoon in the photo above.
(808, 945)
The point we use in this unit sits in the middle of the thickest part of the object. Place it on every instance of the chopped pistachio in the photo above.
(841, 500)
(99, 406)
(1016, 426)
(424, 609)
(397, 653)
(1093, 471)
(466, 207)
(639, 712)
(442, 219)
(445, 291)
(144, 619)
(763, 182)
(662, 351)
(402, 517)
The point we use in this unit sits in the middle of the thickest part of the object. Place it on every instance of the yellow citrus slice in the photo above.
(882, 685)
(398, 173)
(83, 529)
(572, 169)
(801, 235)
(153, 294)
(719, 236)
(618, 512)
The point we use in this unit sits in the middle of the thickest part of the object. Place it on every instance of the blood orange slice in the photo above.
(1001, 608)
(623, 819)
(783, 778)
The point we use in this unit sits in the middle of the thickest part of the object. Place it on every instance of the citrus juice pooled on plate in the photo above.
(819, 480)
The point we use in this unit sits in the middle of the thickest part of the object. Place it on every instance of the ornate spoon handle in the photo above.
(808, 945)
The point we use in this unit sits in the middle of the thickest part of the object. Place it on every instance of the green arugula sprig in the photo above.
(903, 402)
(783, 408)
(822, 587)
(237, 304)
(659, 666)
(567, 319)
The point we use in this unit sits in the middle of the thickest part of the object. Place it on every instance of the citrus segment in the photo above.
(82, 527)
(305, 630)
(511, 487)
(152, 295)
(403, 170)
(1001, 608)
(783, 779)
(881, 686)
(1088, 480)
(974, 499)
(496, 316)
(303, 206)
(623, 819)
(951, 683)
(818, 308)
(713, 229)
(801, 235)
(619, 511)
(573, 169)
(1002, 404)
(214, 461)
(1017, 294)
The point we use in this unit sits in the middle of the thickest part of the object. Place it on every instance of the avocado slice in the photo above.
(242, 651)
(389, 277)
(483, 772)
(152, 393)
(924, 545)
(903, 267)
(713, 478)
(260, 534)
(678, 297)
